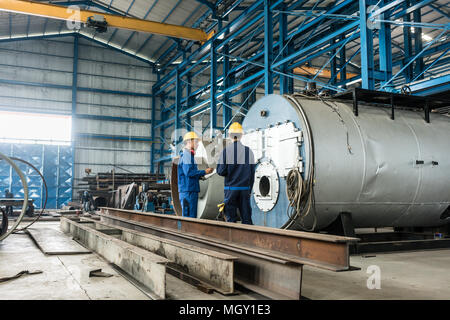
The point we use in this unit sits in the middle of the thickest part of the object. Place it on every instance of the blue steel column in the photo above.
(58, 168)
(333, 62)
(152, 133)
(407, 42)
(366, 48)
(161, 150)
(342, 63)
(178, 93)
(74, 103)
(226, 115)
(418, 45)
(42, 181)
(284, 84)
(188, 101)
(213, 90)
(291, 79)
(11, 154)
(152, 159)
(43, 166)
(385, 49)
(187, 122)
(268, 48)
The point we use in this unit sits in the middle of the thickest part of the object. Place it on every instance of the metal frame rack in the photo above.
(271, 44)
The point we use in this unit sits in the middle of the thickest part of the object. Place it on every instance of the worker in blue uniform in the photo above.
(237, 165)
(189, 176)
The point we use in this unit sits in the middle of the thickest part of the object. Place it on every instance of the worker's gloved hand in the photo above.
(209, 170)
(221, 207)
(221, 216)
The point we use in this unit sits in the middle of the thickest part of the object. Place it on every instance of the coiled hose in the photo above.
(300, 193)
(295, 190)
(301, 199)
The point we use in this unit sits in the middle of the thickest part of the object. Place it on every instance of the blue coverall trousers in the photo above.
(189, 204)
(235, 199)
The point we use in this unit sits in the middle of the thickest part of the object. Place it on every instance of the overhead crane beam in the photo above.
(325, 73)
(62, 13)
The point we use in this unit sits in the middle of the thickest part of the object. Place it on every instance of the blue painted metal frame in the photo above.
(244, 55)
(74, 96)
(60, 86)
(367, 59)
(213, 89)
(251, 57)
(110, 137)
(268, 48)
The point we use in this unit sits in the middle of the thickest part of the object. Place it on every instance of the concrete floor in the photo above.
(66, 277)
(408, 275)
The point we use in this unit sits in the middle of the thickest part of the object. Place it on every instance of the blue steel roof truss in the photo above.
(307, 36)
(299, 33)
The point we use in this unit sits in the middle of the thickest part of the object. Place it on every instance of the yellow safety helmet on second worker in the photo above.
(190, 135)
(235, 128)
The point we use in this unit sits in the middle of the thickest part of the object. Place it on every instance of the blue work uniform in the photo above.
(237, 165)
(188, 183)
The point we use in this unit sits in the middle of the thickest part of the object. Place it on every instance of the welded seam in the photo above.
(420, 168)
(364, 154)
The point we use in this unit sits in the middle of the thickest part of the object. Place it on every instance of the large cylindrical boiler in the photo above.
(384, 172)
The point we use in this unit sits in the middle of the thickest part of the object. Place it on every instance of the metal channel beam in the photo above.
(270, 261)
(211, 267)
(318, 250)
(144, 266)
(273, 277)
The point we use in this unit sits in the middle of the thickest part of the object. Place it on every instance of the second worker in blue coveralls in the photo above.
(237, 165)
(189, 176)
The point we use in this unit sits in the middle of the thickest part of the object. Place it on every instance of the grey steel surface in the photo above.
(54, 242)
(144, 266)
(273, 277)
(270, 261)
(208, 266)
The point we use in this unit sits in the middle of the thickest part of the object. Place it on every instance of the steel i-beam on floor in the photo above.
(269, 260)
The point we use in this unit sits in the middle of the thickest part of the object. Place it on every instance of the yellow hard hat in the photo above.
(190, 135)
(236, 128)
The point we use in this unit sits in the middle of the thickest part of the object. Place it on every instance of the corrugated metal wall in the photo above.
(112, 127)
(36, 76)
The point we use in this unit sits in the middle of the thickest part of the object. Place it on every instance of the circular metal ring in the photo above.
(46, 192)
(25, 193)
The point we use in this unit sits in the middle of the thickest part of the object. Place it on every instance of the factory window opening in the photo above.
(32, 128)
(264, 186)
